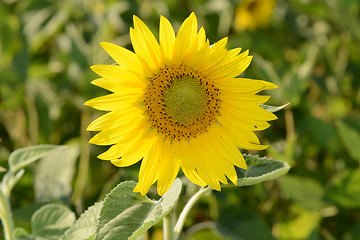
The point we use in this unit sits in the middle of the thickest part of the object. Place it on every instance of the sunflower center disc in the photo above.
(185, 100)
(181, 103)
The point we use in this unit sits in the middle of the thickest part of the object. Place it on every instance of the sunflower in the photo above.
(252, 14)
(177, 104)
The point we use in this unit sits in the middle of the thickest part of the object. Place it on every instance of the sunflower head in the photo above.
(178, 103)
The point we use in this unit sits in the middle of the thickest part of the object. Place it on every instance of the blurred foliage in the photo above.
(310, 49)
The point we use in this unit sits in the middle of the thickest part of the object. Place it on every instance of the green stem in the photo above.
(83, 163)
(180, 223)
(6, 217)
(168, 224)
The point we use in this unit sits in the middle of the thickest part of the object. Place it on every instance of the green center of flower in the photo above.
(185, 100)
(181, 103)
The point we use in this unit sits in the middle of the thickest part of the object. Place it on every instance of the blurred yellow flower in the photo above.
(252, 14)
(178, 103)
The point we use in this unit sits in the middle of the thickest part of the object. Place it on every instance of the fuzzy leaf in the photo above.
(84, 228)
(127, 215)
(22, 234)
(51, 221)
(22, 157)
(57, 171)
(260, 169)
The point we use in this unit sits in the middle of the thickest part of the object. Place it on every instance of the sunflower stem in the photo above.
(6, 216)
(168, 225)
(180, 222)
(81, 179)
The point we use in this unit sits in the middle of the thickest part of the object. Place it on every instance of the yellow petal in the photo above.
(112, 120)
(231, 152)
(119, 75)
(166, 38)
(149, 169)
(250, 112)
(241, 101)
(244, 85)
(123, 57)
(185, 39)
(145, 44)
(188, 164)
(134, 152)
(110, 136)
(114, 101)
(169, 167)
(229, 69)
(206, 170)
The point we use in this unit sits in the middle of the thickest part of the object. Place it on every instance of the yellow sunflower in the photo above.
(252, 14)
(177, 103)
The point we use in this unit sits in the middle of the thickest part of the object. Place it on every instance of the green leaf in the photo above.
(350, 136)
(240, 223)
(127, 215)
(206, 234)
(22, 234)
(344, 190)
(355, 231)
(260, 169)
(51, 221)
(274, 108)
(298, 223)
(57, 171)
(22, 157)
(85, 226)
(304, 191)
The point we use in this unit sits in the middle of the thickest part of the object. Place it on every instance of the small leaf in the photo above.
(57, 171)
(22, 234)
(51, 221)
(345, 191)
(273, 108)
(350, 136)
(85, 226)
(240, 223)
(260, 169)
(127, 215)
(22, 157)
(299, 223)
(305, 191)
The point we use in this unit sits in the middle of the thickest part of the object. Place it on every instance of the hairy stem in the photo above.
(168, 225)
(180, 222)
(6, 217)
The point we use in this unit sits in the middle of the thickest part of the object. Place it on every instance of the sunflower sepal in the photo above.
(274, 108)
